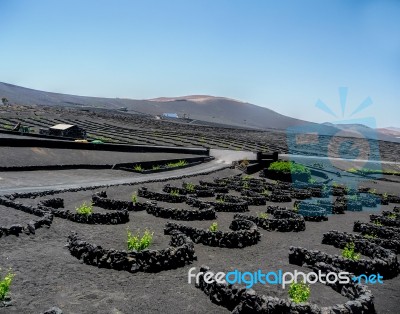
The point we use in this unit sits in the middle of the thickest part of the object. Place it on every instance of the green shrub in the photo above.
(265, 192)
(214, 227)
(353, 197)
(370, 236)
(5, 284)
(263, 215)
(134, 198)
(367, 171)
(392, 216)
(139, 243)
(138, 168)
(299, 292)
(246, 177)
(180, 163)
(190, 187)
(378, 223)
(246, 185)
(289, 167)
(85, 209)
(174, 193)
(156, 167)
(7, 127)
(221, 200)
(350, 253)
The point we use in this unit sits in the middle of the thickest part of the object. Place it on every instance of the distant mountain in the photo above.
(391, 131)
(361, 130)
(198, 107)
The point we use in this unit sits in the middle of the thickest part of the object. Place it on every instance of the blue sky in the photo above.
(284, 55)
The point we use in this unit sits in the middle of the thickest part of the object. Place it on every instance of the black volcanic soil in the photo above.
(47, 275)
(40, 156)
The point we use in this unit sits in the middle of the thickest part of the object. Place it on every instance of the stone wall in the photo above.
(245, 233)
(180, 253)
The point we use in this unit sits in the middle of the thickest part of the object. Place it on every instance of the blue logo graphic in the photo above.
(344, 144)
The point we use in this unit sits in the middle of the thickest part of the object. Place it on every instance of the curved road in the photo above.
(44, 180)
(37, 181)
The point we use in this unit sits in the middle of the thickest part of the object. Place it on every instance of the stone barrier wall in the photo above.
(245, 233)
(180, 253)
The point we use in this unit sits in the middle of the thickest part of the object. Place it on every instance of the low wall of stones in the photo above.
(339, 239)
(53, 202)
(180, 214)
(217, 187)
(393, 199)
(162, 197)
(330, 207)
(178, 254)
(113, 218)
(46, 219)
(311, 211)
(253, 198)
(238, 299)
(369, 200)
(283, 221)
(218, 206)
(245, 233)
(100, 200)
(278, 198)
(391, 215)
(168, 189)
(25, 208)
(379, 231)
(300, 194)
(384, 261)
(384, 220)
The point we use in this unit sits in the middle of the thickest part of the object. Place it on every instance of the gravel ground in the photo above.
(47, 275)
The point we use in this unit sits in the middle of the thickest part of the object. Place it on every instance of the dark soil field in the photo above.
(48, 275)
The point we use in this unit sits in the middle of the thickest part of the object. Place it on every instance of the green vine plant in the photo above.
(138, 168)
(85, 209)
(5, 284)
(263, 215)
(174, 193)
(190, 187)
(265, 192)
(350, 253)
(392, 216)
(299, 292)
(134, 198)
(137, 242)
(213, 227)
(221, 200)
